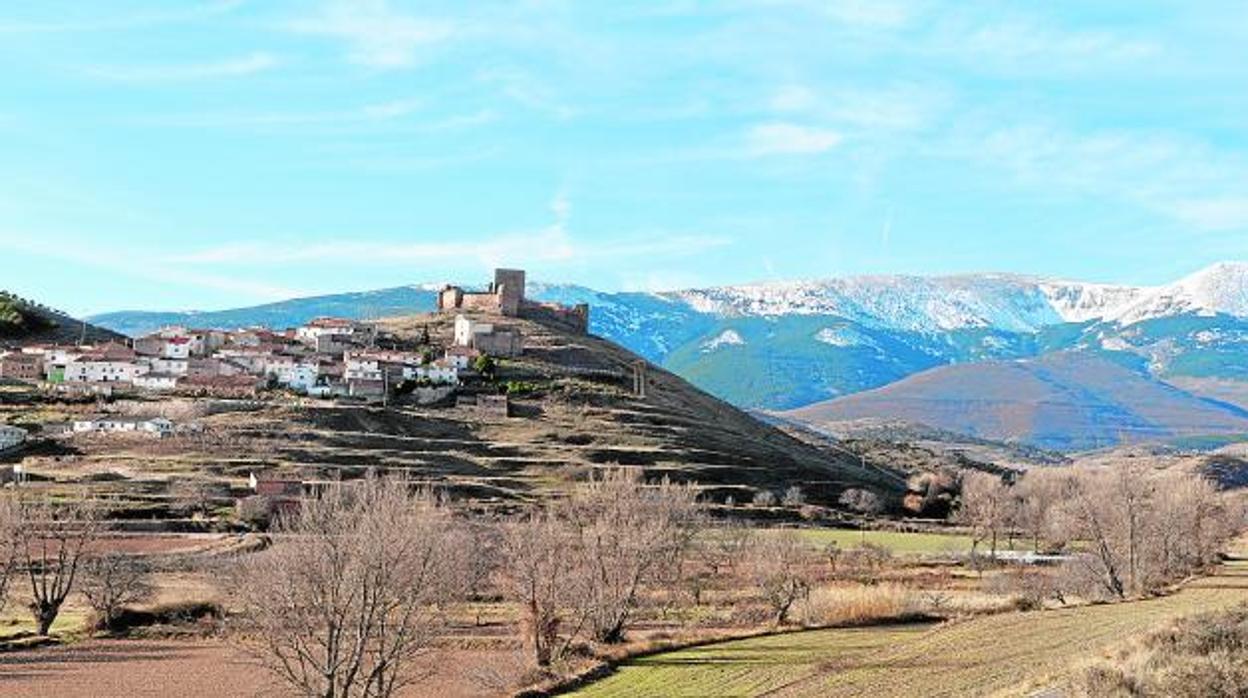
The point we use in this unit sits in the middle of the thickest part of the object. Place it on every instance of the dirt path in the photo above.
(1009, 654)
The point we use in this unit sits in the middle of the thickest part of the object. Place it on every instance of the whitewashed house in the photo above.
(176, 367)
(300, 376)
(158, 382)
(437, 372)
(327, 327)
(461, 357)
(110, 363)
(158, 427)
(466, 328)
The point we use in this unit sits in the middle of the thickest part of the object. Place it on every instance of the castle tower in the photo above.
(509, 285)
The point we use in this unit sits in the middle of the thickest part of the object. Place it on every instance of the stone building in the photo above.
(487, 337)
(505, 296)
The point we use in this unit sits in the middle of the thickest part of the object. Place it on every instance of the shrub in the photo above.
(1204, 655)
(765, 498)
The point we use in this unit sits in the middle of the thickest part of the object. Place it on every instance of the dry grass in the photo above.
(860, 605)
(1205, 655)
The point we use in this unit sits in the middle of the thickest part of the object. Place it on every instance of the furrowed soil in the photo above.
(1009, 654)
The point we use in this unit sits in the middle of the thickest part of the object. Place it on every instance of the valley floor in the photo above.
(1008, 654)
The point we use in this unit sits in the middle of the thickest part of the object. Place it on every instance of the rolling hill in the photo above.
(1066, 401)
(786, 345)
(26, 322)
(575, 411)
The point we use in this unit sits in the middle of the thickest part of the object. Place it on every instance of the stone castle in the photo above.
(505, 296)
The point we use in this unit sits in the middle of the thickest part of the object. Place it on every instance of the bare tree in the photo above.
(1141, 529)
(111, 581)
(984, 507)
(541, 565)
(9, 527)
(628, 534)
(1037, 495)
(582, 565)
(476, 547)
(793, 497)
(863, 502)
(778, 566)
(352, 592)
(52, 541)
(725, 546)
(194, 497)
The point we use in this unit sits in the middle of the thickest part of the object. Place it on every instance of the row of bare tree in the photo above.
(1127, 529)
(50, 546)
(358, 582)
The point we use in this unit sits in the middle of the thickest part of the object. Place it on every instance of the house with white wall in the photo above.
(110, 424)
(109, 363)
(157, 382)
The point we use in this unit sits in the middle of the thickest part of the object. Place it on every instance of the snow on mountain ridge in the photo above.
(914, 303)
(1005, 302)
(1221, 288)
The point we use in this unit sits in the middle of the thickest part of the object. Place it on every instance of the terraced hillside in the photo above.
(575, 411)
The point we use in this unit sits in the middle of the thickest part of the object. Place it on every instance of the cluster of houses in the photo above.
(327, 357)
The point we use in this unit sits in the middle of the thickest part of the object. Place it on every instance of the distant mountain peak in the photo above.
(1220, 288)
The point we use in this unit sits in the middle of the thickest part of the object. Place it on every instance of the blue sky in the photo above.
(208, 154)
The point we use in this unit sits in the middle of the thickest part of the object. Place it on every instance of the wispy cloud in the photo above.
(553, 244)
(376, 35)
(1218, 214)
(110, 20)
(790, 139)
(376, 112)
(896, 107)
(550, 245)
(527, 90)
(869, 13)
(141, 265)
(1015, 42)
(1020, 39)
(231, 67)
(1181, 178)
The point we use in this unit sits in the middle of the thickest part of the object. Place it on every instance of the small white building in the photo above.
(88, 371)
(466, 328)
(461, 357)
(11, 437)
(334, 327)
(152, 426)
(158, 382)
(109, 363)
(439, 372)
(301, 376)
(176, 367)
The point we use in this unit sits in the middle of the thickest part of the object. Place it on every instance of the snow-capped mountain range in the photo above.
(788, 344)
(1000, 301)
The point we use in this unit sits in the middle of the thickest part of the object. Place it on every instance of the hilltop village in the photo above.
(328, 358)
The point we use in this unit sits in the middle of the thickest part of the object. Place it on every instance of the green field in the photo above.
(1008, 654)
(749, 667)
(899, 543)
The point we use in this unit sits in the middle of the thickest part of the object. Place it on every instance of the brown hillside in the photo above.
(579, 413)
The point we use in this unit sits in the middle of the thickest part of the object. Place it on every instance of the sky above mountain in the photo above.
(213, 154)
